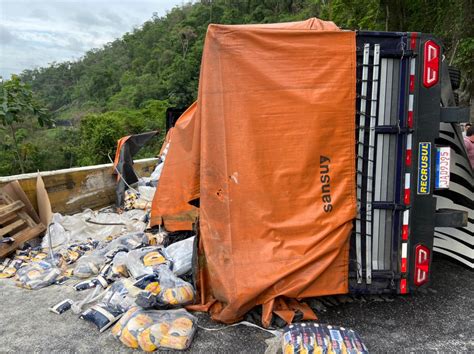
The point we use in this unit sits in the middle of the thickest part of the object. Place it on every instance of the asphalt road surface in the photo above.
(439, 319)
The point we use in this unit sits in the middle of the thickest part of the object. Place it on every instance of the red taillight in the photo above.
(431, 64)
(422, 264)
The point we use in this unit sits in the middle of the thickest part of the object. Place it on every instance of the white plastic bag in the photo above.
(156, 174)
(110, 272)
(37, 275)
(90, 264)
(163, 289)
(59, 236)
(181, 255)
(147, 193)
(117, 300)
(145, 260)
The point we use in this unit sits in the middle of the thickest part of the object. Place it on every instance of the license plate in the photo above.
(443, 167)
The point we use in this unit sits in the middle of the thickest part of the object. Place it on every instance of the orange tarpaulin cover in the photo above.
(271, 157)
(120, 143)
(170, 204)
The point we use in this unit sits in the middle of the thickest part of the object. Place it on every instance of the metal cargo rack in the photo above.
(398, 120)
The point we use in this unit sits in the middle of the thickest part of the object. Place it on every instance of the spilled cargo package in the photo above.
(268, 150)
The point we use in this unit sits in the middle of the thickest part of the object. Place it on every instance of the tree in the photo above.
(159, 61)
(17, 103)
(99, 132)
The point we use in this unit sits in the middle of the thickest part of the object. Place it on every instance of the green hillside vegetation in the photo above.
(126, 86)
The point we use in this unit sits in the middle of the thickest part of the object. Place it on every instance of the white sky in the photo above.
(34, 33)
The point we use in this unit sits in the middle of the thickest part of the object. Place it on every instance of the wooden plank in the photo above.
(28, 220)
(10, 208)
(11, 227)
(14, 191)
(72, 190)
(4, 220)
(21, 238)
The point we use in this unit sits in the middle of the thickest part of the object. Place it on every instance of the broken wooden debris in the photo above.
(16, 226)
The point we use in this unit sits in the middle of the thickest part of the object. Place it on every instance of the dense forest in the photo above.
(126, 86)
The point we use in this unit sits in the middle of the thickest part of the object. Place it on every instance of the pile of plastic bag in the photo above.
(141, 276)
(313, 337)
(100, 226)
(163, 289)
(151, 330)
(31, 264)
(140, 199)
(124, 273)
(91, 263)
(124, 276)
(37, 275)
(142, 289)
(118, 298)
(73, 237)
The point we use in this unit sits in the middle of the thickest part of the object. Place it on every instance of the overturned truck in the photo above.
(320, 162)
(314, 162)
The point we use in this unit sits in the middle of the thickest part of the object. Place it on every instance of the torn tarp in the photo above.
(171, 206)
(127, 147)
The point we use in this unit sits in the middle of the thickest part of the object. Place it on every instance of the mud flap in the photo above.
(450, 218)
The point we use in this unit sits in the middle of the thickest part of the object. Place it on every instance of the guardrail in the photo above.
(75, 189)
